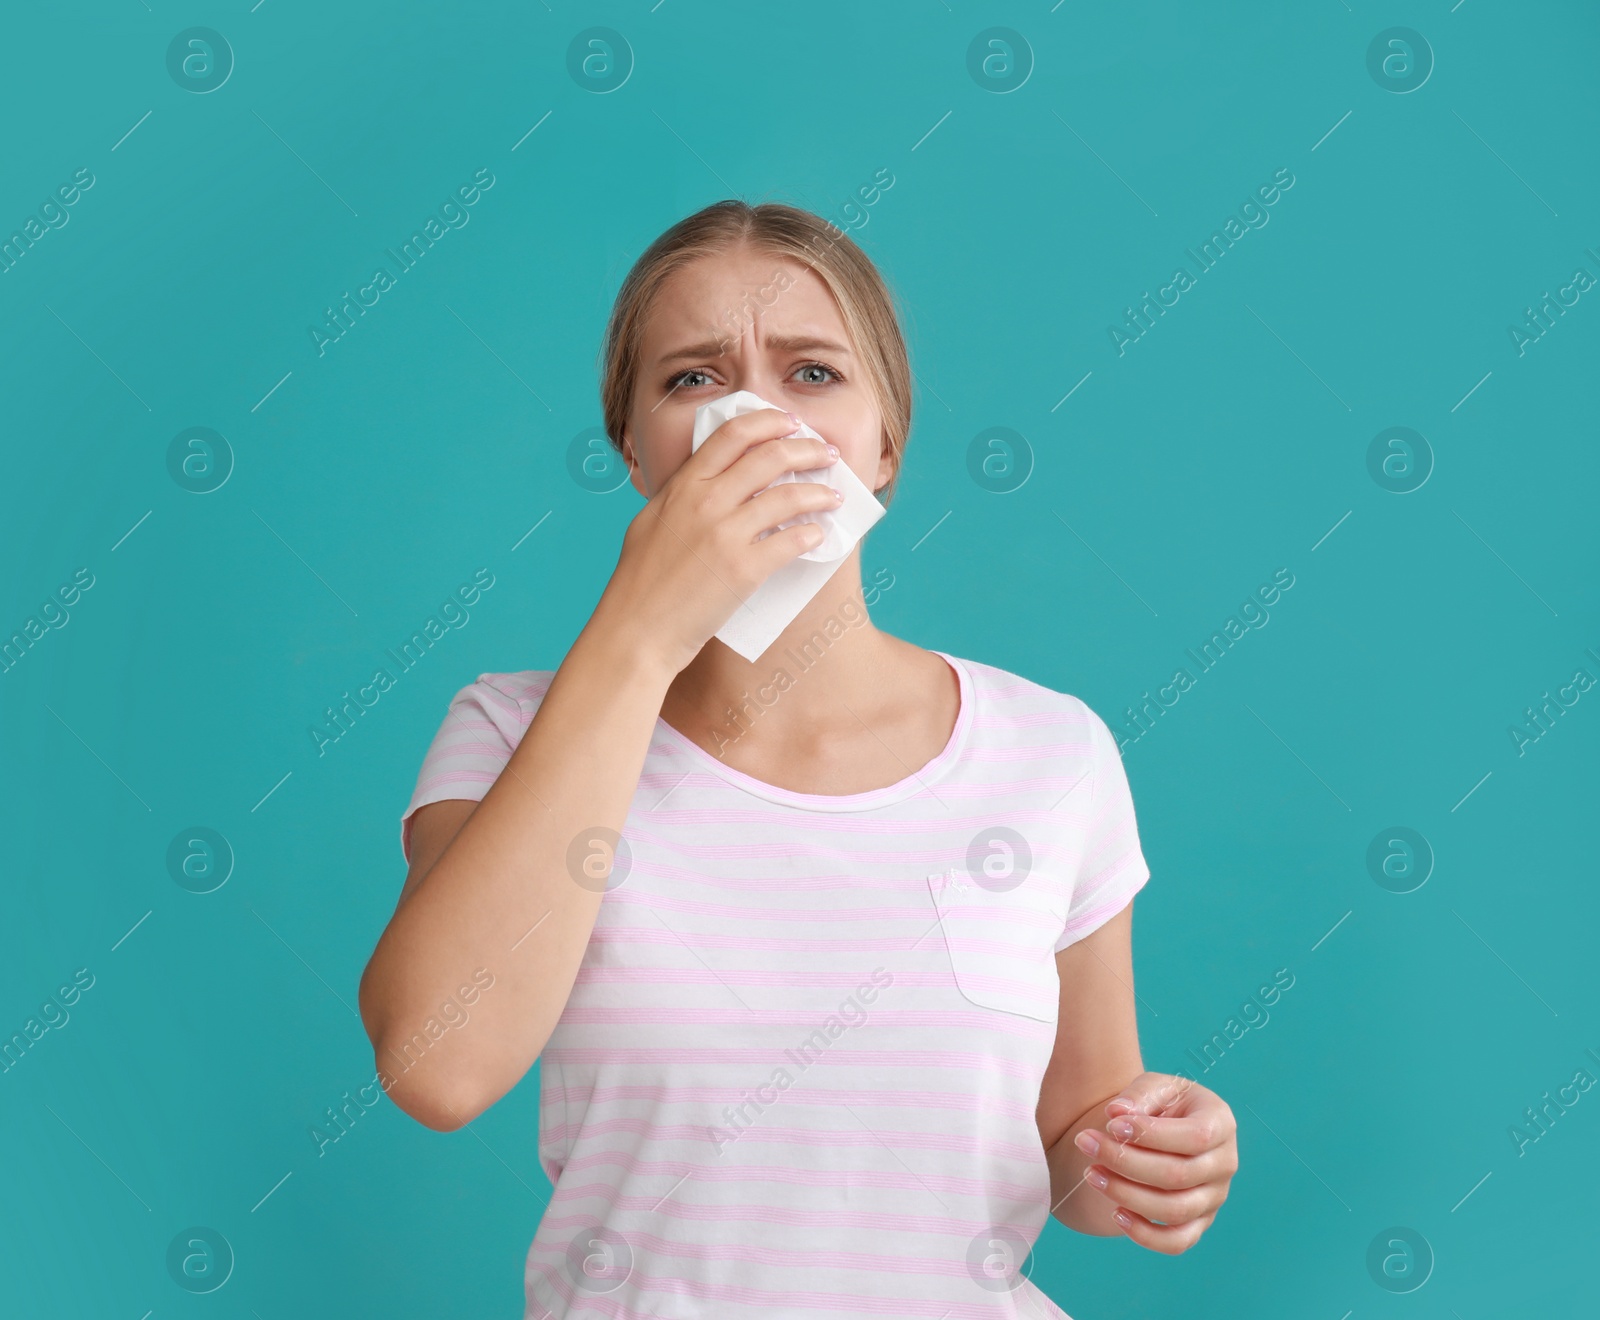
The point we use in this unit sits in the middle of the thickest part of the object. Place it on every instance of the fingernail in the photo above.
(838, 495)
(791, 417)
(1121, 1101)
(1120, 1128)
(1095, 1178)
(1124, 1218)
(1088, 1143)
(833, 451)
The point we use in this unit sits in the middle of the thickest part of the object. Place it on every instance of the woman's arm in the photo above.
(486, 874)
(505, 894)
(1148, 1155)
(1096, 1054)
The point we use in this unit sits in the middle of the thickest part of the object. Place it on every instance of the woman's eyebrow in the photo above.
(714, 348)
(802, 343)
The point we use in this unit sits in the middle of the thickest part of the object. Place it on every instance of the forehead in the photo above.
(725, 292)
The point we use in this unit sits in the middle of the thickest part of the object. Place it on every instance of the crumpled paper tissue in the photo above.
(773, 605)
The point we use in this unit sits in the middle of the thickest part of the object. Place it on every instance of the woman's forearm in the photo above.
(1073, 1201)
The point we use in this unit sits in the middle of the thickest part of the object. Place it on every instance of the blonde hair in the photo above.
(865, 304)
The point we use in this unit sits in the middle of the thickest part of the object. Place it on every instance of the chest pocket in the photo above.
(1001, 943)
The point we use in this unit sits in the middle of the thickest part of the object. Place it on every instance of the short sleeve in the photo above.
(482, 726)
(1112, 868)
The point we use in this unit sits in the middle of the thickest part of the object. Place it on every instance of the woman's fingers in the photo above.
(764, 462)
(729, 443)
(1168, 1239)
(790, 499)
(749, 452)
(1170, 1207)
(725, 445)
(1190, 1135)
(1158, 1168)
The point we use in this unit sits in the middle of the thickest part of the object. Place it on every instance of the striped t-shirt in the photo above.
(797, 1073)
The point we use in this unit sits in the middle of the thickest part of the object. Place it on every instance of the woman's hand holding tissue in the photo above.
(700, 546)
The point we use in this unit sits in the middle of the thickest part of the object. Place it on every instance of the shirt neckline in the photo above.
(875, 797)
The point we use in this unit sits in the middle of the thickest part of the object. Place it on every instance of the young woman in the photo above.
(832, 986)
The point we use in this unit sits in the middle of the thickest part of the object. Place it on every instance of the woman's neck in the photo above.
(833, 701)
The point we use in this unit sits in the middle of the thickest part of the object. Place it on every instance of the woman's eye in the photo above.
(812, 373)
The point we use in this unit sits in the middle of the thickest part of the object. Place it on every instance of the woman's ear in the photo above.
(635, 475)
(886, 470)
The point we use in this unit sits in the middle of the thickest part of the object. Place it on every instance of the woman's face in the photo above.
(746, 320)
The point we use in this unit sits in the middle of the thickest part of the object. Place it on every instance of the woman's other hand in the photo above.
(1164, 1158)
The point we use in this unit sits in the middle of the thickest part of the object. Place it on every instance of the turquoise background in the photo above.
(1229, 442)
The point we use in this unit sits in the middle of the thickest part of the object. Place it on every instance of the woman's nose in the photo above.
(762, 383)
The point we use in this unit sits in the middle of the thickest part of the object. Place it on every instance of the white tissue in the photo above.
(773, 605)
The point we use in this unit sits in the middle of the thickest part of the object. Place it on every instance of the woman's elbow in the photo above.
(434, 1097)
